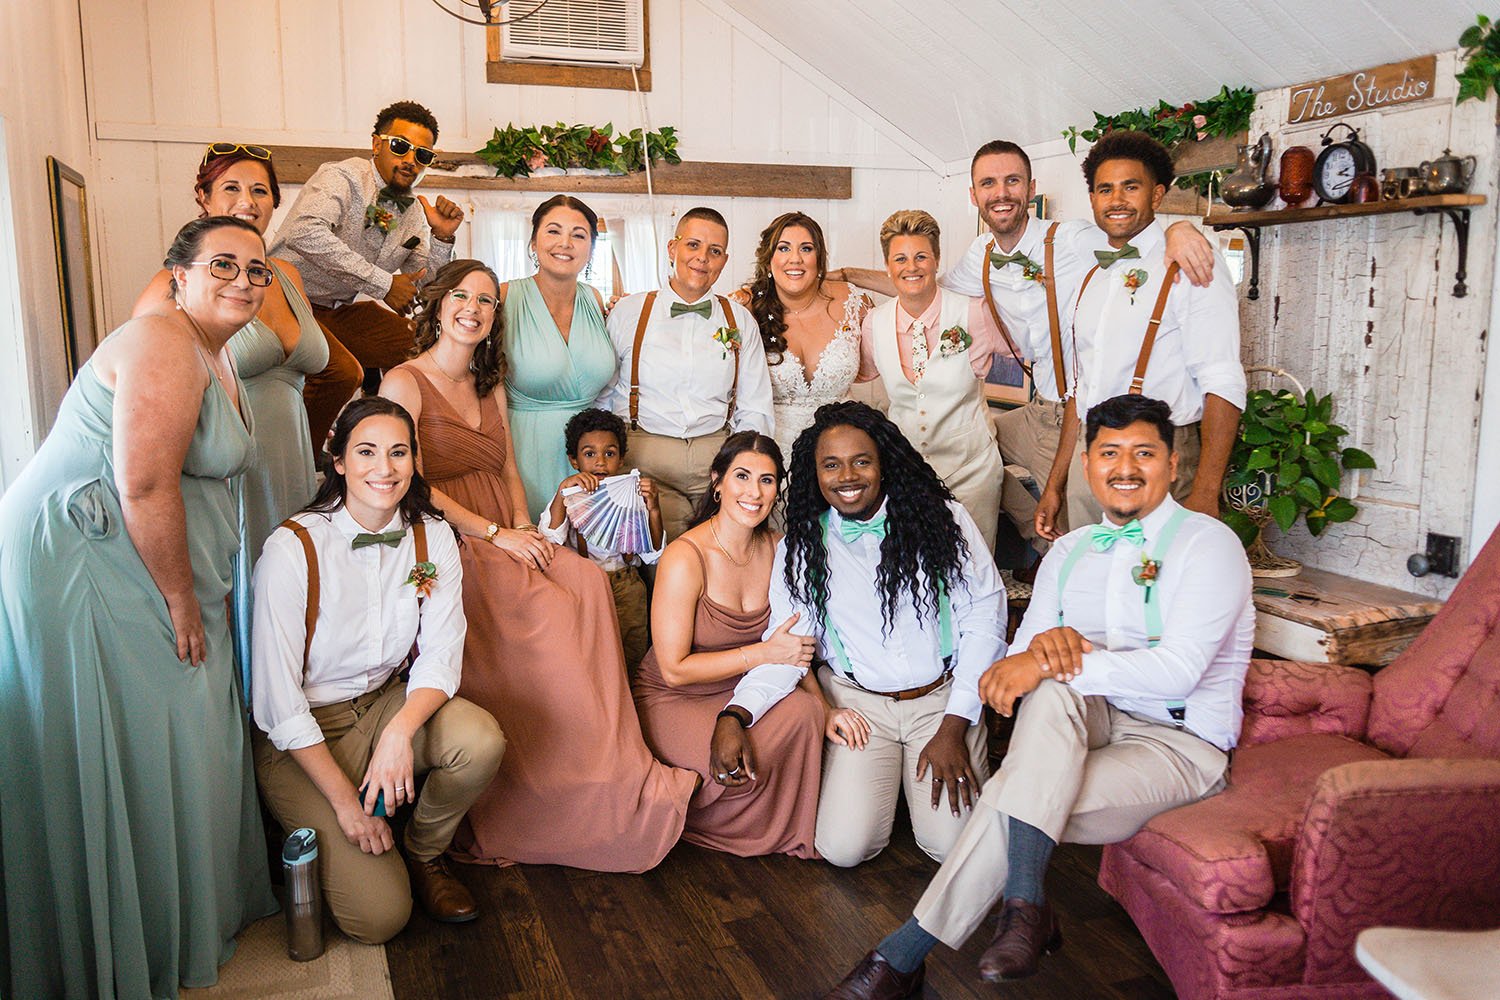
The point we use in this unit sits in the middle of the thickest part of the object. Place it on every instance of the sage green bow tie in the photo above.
(704, 308)
(391, 538)
(1103, 537)
(1108, 257)
(390, 195)
(998, 259)
(850, 529)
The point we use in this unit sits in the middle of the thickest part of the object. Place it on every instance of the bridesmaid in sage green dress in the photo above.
(133, 850)
(560, 357)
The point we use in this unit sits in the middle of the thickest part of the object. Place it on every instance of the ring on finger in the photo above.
(962, 779)
(734, 772)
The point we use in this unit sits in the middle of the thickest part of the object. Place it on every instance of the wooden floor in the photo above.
(708, 926)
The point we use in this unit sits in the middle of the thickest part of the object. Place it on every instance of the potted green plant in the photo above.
(1481, 57)
(660, 145)
(1287, 464)
(514, 152)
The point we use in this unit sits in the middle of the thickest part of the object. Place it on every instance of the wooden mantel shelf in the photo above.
(295, 164)
(1455, 206)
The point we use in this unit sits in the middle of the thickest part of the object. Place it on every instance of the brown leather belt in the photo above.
(916, 692)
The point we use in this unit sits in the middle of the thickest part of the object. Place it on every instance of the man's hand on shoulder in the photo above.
(443, 217)
(1192, 252)
(1009, 679)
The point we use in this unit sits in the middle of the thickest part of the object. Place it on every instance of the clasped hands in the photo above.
(1056, 653)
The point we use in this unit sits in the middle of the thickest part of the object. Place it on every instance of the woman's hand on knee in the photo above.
(847, 728)
(370, 834)
(390, 771)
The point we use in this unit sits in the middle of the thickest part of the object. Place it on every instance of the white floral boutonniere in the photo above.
(954, 340)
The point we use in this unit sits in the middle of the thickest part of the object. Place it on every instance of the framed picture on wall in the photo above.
(75, 272)
(1007, 383)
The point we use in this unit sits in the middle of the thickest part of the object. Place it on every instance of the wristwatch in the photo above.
(491, 531)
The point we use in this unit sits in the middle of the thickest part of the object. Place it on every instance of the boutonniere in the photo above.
(423, 577)
(953, 340)
(1134, 279)
(1146, 573)
(384, 218)
(727, 338)
(1031, 270)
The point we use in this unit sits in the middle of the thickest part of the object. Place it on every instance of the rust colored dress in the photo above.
(578, 786)
(776, 813)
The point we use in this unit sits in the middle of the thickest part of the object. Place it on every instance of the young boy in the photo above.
(595, 441)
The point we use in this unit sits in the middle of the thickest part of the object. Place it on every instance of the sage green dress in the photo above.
(132, 850)
(548, 380)
(281, 478)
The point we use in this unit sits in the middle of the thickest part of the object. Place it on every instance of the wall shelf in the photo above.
(1455, 206)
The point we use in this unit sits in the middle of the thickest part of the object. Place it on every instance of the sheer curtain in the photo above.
(501, 234)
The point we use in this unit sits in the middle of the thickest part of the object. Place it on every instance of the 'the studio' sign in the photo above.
(1367, 90)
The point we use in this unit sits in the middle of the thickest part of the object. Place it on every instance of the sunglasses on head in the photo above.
(217, 149)
(400, 147)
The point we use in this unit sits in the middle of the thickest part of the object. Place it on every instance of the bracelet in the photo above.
(528, 526)
(745, 659)
(732, 714)
(491, 531)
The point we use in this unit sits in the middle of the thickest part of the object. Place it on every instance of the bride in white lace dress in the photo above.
(810, 325)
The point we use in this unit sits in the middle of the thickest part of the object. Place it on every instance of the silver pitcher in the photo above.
(1247, 188)
(1448, 174)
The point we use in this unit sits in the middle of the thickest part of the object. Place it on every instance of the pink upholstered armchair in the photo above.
(1350, 804)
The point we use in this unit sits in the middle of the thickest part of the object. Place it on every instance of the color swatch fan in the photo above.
(613, 517)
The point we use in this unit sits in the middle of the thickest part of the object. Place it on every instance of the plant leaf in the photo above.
(1326, 471)
(1284, 510)
(1316, 522)
(1241, 525)
(1340, 510)
(1471, 36)
(1309, 493)
(1261, 458)
(1289, 472)
(1353, 458)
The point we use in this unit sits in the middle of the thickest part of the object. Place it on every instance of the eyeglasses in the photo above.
(400, 147)
(216, 149)
(227, 270)
(483, 301)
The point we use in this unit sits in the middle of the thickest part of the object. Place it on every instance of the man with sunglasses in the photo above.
(356, 229)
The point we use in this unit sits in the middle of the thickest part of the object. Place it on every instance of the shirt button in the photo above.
(924, 427)
(921, 395)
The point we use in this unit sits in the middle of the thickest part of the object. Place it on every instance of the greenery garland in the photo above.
(518, 152)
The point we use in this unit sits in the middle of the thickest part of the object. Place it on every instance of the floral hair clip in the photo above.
(423, 577)
(728, 339)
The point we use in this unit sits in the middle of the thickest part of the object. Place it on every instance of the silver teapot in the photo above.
(1248, 187)
(1448, 174)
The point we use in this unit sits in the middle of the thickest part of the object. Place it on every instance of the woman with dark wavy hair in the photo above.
(543, 654)
(809, 324)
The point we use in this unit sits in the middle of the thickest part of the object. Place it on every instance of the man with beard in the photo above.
(355, 229)
(1129, 668)
(1136, 329)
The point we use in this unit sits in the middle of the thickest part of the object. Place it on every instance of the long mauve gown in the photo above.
(578, 786)
(774, 814)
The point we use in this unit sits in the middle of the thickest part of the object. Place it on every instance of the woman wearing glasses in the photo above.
(578, 786)
(133, 849)
(274, 353)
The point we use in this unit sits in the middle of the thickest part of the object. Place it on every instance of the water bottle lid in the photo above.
(301, 847)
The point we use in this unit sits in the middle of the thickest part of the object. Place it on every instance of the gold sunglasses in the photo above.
(217, 149)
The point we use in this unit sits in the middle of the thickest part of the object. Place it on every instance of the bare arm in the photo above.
(520, 510)
(864, 277)
(370, 834)
(1221, 423)
(1054, 493)
(157, 291)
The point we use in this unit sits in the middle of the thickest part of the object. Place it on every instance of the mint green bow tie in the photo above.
(391, 538)
(1103, 537)
(998, 259)
(850, 529)
(1108, 257)
(703, 308)
(390, 195)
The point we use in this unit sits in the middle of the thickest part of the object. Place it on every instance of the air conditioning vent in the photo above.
(575, 32)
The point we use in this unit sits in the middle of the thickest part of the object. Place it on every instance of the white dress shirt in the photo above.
(910, 655)
(1197, 347)
(608, 558)
(1023, 302)
(1208, 622)
(367, 621)
(685, 373)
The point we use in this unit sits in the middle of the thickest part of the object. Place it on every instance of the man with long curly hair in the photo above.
(892, 577)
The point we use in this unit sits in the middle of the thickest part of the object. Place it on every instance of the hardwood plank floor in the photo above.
(708, 926)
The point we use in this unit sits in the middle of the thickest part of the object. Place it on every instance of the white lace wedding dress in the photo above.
(795, 399)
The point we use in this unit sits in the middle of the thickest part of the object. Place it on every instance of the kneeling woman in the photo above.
(710, 608)
(345, 591)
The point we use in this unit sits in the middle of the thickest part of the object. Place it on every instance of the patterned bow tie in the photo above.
(998, 259)
(850, 529)
(704, 308)
(391, 538)
(1108, 257)
(389, 195)
(1103, 537)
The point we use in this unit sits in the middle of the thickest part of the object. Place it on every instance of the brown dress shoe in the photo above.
(1026, 932)
(442, 896)
(874, 979)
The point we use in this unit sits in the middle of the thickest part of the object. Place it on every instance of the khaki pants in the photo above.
(373, 333)
(1083, 508)
(325, 393)
(1028, 436)
(679, 467)
(459, 749)
(1079, 770)
(630, 608)
(857, 806)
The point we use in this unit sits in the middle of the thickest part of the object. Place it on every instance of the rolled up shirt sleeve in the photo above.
(1213, 345)
(979, 617)
(279, 632)
(441, 627)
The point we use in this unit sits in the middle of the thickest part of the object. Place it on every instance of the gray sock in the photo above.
(907, 946)
(1030, 852)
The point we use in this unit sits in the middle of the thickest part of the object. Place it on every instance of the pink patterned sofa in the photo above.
(1350, 804)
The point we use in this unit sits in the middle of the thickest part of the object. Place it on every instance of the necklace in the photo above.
(213, 364)
(715, 532)
(456, 381)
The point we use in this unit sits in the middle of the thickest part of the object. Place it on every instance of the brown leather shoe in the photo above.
(874, 979)
(442, 896)
(1026, 932)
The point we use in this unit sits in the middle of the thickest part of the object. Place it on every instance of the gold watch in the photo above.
(491, 531)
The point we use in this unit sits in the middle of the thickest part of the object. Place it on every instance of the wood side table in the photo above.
(1323, 617)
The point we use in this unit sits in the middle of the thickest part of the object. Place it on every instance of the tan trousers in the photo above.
(1083, 508)
(373, 333)
(857, 806)
(459, 749)
(1028, 436)
(630, 608)
(325, 393)
(679, 466)
(1079, 770)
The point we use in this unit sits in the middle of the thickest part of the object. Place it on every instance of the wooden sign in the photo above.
(1367, 90)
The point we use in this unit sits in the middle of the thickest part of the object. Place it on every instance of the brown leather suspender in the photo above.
(635, 359)
(1148, 343)
(1049, 282)
(989, 300)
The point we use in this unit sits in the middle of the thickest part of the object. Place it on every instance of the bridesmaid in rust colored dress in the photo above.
(709, 611)
(578, 786)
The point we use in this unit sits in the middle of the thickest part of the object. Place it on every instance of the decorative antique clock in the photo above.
(1339, 164)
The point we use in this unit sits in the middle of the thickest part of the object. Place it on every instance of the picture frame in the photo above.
(67, 192)
(1007, 384)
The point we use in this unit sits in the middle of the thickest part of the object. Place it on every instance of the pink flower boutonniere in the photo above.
(728, 339)
(953, 340)
(1134, 279)
(383, 218)
(423, 577)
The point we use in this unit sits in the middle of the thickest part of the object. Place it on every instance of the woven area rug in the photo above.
(260, 969)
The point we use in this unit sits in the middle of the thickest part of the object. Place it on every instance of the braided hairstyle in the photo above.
(923, 543)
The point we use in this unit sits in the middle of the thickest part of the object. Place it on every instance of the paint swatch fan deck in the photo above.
(613, 517)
